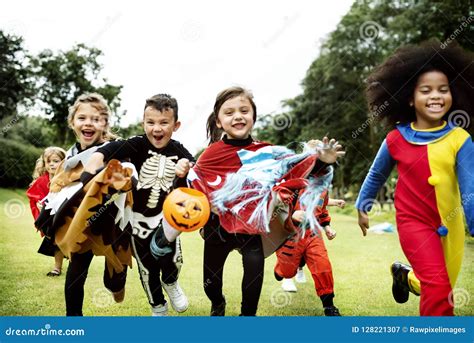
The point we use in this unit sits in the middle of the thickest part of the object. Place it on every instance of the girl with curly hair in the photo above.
(425, 93)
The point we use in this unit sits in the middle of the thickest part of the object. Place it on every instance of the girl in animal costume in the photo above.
(425, 94)
(89, 218)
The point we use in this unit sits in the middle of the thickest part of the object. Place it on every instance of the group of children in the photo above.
(265, 198)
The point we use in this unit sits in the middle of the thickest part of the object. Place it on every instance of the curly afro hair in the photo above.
(391, 85)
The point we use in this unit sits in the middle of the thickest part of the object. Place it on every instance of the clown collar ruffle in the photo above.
(423, 137)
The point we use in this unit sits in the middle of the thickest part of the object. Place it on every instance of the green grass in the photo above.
(361, 273)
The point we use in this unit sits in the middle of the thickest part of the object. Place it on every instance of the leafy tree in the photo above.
(29, 130)
(15, 78)
(333, 102)
(129, 131)
(63, 76)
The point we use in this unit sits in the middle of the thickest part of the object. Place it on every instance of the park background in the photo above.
(39, 79)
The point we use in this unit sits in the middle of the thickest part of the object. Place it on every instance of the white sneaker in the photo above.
(159, 310)
(300, 277)
(178, 299)
(288, 285)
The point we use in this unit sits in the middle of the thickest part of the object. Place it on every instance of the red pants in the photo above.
(313, 250)
(422, 247)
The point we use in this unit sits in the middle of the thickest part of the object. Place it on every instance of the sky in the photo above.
(189, 49)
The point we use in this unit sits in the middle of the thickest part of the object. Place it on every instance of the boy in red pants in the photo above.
(311, 248)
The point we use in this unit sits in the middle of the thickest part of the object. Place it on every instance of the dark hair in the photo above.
(162, 102)
(391, 85)
(213, 132)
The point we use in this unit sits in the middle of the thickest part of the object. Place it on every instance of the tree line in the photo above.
(332, 100)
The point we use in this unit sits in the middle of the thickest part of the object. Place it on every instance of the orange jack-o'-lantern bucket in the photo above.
(186, 209)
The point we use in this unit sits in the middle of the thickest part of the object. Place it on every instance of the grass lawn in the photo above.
(360, 265)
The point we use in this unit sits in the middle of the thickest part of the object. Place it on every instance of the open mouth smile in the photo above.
(239, 126)
(88, 133)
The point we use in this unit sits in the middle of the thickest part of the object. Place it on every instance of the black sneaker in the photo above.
(400, 289)
(331, 311)
(219, 310)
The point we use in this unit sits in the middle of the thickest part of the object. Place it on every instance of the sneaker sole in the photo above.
(399, 298)
(179, 310)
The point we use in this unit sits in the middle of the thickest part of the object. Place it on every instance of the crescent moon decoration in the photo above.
(216, 182)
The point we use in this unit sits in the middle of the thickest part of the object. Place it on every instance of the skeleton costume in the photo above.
(156, 178)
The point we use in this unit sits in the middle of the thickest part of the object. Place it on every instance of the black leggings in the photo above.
(76, 278)
(215, 255)
(151, 268)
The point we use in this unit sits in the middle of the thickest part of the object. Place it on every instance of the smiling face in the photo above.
(159, 126)
(88, 125)
(52, 163)
(432, 99)
(235, 117)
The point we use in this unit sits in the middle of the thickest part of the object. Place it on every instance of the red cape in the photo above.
(37, 192)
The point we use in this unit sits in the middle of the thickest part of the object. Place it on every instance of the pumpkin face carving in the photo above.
(186, 209)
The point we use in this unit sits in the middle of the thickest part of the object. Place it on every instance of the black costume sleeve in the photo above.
(320, 168)
(121, 150)
(183, 152)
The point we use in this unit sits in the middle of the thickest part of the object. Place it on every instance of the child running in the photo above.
(423, 92)
(310, 249)
(235, 171)
(89, 119)
(162, 164)
(45, 168)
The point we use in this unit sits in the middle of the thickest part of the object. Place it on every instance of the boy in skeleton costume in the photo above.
(162, 164)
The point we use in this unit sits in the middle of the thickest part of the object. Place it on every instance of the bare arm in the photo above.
(363, 222)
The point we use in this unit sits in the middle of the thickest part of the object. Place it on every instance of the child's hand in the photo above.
(182, 167)
(330, 233)
(363, 222)
(329, 150)
(39, 205)
(336, 202)
(298, 216)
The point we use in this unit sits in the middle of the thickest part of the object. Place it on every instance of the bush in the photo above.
(32, 130)
(17, 162)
